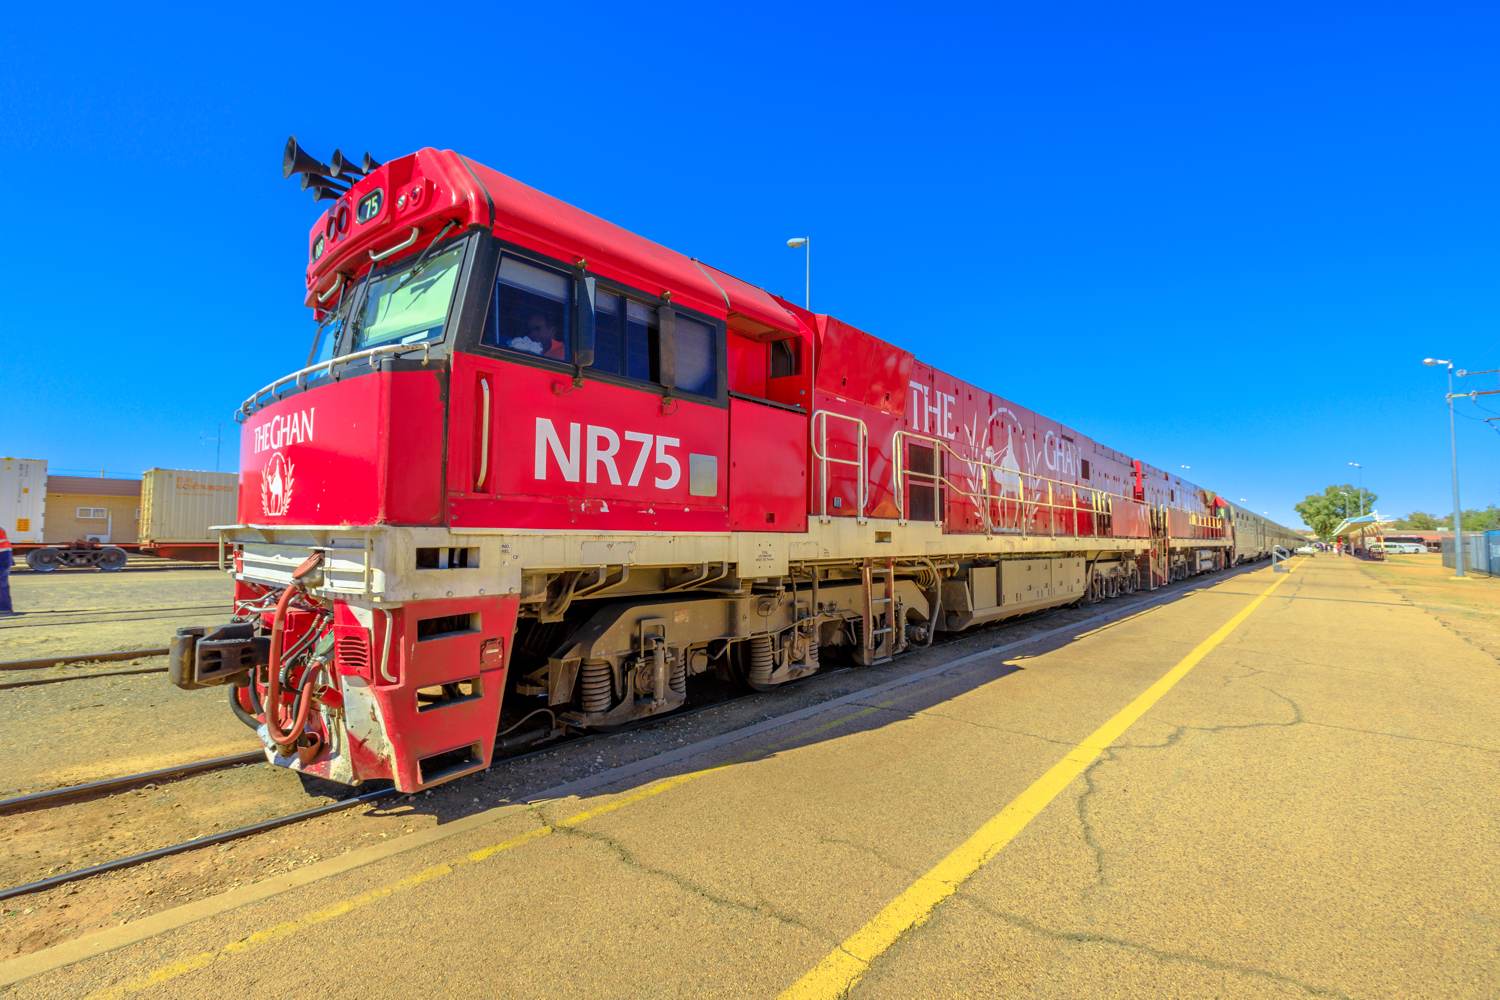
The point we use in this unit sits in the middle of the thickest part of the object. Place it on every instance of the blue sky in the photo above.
(1220, 239)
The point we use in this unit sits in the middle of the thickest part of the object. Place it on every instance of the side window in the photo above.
(609, 333)
(784, 358)
(642, 350)
(626, 337)
(695, 357)
(530, 312)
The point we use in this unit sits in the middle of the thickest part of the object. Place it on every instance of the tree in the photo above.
(1417, 520)
(1480, 520)
(1322, 512)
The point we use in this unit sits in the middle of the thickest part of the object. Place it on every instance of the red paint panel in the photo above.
(417, 663)
(863, 369)
(749, 366)
(360, 450)
(768, 473)
(598, 456)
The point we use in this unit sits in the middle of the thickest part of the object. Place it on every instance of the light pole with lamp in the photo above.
(1361, 468)
(804, 242)
(1458, 532)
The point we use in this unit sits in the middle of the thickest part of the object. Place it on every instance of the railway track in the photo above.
(74, 793)
(43, 799)
(105, 786)
(43, 662)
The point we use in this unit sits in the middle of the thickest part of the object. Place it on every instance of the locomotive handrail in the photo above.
(338, 282)
(819, 433)
(484, 434)
(988, 473)
(378, 255)
(300, 374)
(899, 474)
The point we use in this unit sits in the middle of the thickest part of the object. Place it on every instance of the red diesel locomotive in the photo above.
(538, 471)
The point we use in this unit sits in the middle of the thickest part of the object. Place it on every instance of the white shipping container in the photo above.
(23, 497)
(180, 505)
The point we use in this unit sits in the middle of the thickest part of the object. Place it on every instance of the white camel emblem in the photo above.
(276, 486)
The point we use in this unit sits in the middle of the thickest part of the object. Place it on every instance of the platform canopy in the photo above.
(1366, 524)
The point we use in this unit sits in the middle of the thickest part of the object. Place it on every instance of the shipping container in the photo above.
(180, 505)
(23, 498)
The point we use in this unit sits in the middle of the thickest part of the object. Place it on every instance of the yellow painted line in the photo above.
(837, 973)
(276, 932)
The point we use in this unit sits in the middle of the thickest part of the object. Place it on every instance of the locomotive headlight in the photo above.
(317, 248)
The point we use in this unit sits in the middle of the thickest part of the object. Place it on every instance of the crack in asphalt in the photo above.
(1111, 754)
(1404, 736)
(883, 858)
(759, 908)
(1161, 954)
(1090, 837)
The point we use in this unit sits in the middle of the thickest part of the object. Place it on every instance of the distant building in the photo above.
(87, 507)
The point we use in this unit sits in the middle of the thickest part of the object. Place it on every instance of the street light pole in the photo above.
(1361, 468)
(1458, 527)
(806, 243)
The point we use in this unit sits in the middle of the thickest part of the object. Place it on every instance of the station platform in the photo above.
(1267, 785)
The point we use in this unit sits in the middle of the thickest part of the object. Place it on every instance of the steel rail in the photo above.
(207, 840)
(11, 685)
(55, 796)
(54, 661)
(117, 611)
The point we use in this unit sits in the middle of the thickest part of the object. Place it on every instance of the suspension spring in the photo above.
(762, 660)
(596, 680)
(677, 679)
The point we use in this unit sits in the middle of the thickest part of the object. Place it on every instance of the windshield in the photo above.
(327, 339)
(408, 305)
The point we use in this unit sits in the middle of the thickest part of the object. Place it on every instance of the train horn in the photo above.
(369, 163)
(344, 167)
(310, 181)
(297, 160)
(321, 193)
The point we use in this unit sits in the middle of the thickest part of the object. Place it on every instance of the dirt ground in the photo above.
(90, 728)
(85, 612)
(1469, 608)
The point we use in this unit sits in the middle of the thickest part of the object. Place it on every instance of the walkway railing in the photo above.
(820, 420)
(1008, 500)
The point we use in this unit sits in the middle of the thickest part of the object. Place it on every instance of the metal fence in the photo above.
(1481, 552)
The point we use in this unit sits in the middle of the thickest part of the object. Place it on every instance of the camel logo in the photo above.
(276, 486)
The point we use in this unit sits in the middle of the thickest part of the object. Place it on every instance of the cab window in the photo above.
(695, 359)
(530, 312)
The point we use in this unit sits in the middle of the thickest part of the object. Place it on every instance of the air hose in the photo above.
(288, 737)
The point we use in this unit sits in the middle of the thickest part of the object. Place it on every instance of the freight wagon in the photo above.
(23, 498)
(170, 513)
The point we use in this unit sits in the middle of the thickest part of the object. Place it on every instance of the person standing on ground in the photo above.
(6, 555)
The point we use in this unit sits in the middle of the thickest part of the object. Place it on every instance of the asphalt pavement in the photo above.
(1280, 785)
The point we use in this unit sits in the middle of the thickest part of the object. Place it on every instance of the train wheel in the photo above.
(43, 560)
(111, 559)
